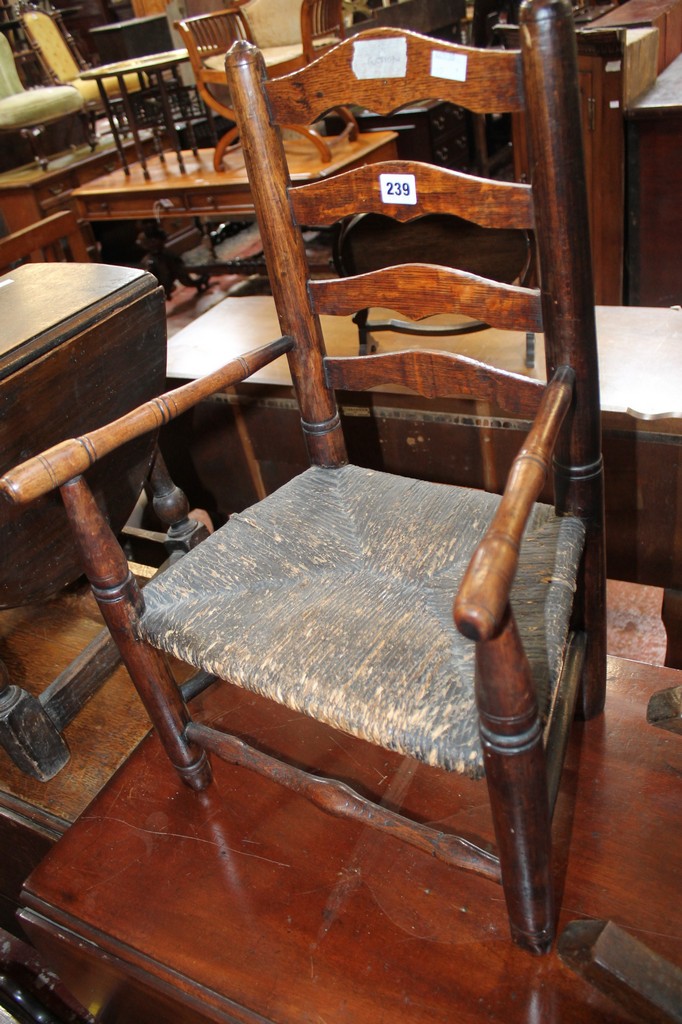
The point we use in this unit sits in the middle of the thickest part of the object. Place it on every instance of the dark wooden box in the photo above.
(80, 344)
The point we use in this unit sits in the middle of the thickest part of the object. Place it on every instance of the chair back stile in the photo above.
(562, 231)
(285, 249)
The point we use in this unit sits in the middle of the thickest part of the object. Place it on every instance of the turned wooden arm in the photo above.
(484, 594)
(70, 458)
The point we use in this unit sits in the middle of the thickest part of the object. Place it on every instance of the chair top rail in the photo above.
(70, 458)
(434, 373)
(418, 290)
(427, 189)
(483, 596)
(483, 81)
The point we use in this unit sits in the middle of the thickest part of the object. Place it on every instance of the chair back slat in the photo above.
(383, 70)
(480, 80)
(322, 25)
(433, 374)
(55, 239)
(209, 34)
(491, 204)
(418, 290)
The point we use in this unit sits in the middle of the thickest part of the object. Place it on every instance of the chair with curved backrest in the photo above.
(322, 26)
(27, 111)
(307, 26)
(207, 38)
(60, 58)
(334, 595)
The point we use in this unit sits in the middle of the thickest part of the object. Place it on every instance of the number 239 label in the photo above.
(398, 188)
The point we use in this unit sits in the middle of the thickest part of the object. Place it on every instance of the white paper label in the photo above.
(452, 66)
(612, 65)
(380, 58)
(398, 188)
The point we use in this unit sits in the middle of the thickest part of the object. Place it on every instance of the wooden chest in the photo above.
(654, 211)
(81, 344)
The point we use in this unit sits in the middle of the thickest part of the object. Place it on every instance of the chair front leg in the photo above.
(120, 601)
(511, 736)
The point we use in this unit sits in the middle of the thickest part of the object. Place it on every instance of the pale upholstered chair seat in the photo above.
(317, 613)
(56, 55)
(43, 104)
(89, 90)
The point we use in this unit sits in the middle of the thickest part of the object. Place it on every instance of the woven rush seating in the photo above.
(369, 597)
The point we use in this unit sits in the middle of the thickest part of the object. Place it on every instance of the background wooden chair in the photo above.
(322, 26)
(306, 26)
(334, 595)
(27, 111)
(61, 59)
(208, 37)
(56, 239)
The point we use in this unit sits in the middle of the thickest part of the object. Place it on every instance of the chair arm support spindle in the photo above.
(484, 594)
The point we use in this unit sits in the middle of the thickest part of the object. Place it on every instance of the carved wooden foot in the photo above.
(665, 709)
(27, 732)
(624, 969)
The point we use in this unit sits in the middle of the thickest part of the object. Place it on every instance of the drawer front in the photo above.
(55, 195)
(446, 119)
(452, 152)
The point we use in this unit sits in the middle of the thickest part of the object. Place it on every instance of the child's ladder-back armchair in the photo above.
(334, 595)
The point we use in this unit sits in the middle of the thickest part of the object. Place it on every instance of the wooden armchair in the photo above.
(207, 38)
(55, 239)
(334, 595)
(25, 112)
(60, 59)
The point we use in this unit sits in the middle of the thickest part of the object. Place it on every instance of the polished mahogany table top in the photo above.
(247, 904)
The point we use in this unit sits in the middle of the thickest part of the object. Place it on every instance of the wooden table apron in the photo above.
(203, 192)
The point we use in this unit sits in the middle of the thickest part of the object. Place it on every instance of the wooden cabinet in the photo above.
(654, 211)
(663, 15)
(600, 65)
(27, 194)
(434, 131)
(613, 65)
